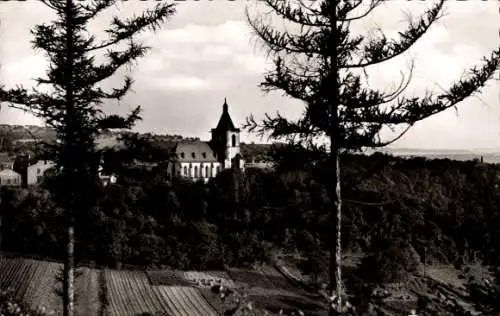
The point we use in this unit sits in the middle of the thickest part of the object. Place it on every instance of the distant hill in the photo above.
(250, 152)
(27, 132)
(488, 156)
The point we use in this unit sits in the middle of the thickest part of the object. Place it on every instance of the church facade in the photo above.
(201, 160)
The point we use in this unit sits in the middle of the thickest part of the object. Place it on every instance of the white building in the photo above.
(9, 177)
(36, 171)
(199, 160)
(196, 160)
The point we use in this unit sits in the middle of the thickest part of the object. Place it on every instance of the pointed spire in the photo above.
(225, 122)
(225, 107)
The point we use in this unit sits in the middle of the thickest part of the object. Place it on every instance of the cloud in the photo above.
(200, 34)
(17, 117)
(200, 57)
(23, 70)
(207, 52)
(227, 42)
(185, 83)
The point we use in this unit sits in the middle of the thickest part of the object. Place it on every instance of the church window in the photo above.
(233, 140)
(182, 155)
(193, 155)
(204, 155)
(195, 171)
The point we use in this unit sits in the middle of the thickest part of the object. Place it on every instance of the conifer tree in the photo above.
(72, 104)
(317, 60)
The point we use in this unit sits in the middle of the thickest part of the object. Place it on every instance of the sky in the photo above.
(206, 52)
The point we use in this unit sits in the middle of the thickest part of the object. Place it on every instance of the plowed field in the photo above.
(130, 293)
(159, 293)
(32, 282)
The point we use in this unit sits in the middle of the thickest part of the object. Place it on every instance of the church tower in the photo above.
(226, 139)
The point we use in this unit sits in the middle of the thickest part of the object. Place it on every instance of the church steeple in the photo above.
(226, 138)
(225, 107)
(225, 122)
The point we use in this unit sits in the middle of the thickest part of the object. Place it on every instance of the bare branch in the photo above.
(149, 20)
(381, 50)
(373, 4)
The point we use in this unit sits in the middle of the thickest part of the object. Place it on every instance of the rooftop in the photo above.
(195, 151)
(8, 172)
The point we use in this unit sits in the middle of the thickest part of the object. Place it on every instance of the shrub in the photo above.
(391, 263)
(8, 307)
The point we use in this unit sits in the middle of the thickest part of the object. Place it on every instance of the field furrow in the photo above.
(186, 301)
(194, 297)
(146, 290)
(32, 282)
(131, 294)
(164, 301)
(138, 291)
(39, 285)
(181, 300)
(115, 293)
(23, 278)
(7, 275)
(168, 295)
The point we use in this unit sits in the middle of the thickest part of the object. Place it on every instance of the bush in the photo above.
(8, 307)
(392, 263)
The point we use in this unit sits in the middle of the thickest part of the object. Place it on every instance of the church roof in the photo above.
(195, 151)
(225, 122)
(9, 173)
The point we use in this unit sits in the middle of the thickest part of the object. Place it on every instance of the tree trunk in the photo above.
(335, 222)
(69, 263)
(336, 200)
(1, 227)
(69, 273)
(1, 232)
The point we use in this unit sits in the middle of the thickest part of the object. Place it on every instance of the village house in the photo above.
(9, 177)
(36, 171)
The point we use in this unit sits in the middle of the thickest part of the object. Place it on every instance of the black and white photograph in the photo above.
(249, 157)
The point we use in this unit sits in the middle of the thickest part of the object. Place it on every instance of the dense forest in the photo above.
(445, 211)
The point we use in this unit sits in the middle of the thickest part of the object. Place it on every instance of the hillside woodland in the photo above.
(398, 214)
(444, 211)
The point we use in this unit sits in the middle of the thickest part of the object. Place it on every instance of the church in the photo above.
(202, 160)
